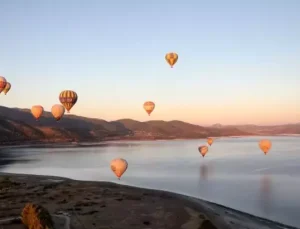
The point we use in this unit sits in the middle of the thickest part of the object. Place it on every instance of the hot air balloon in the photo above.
(149, 107)
(7, 88)
(37, 111)
(210, 141)
(203, 150)
(68, 99)
(119, 166)
(171, 58)
(265, 145)
(3, 83)
(58, 111)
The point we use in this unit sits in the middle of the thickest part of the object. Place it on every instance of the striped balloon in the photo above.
(171, 58)
(68, 99)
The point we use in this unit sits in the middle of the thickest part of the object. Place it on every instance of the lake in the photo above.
(234, 173)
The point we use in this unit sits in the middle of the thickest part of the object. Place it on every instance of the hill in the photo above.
(18, 125)
(270, 130)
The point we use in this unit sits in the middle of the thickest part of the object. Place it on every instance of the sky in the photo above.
(239, 61)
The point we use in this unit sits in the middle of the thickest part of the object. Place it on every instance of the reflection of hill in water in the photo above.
(7, 158)
(83, 145)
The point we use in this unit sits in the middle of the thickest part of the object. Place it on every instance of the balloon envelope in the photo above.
(68, 99)
(58, 111)
(265, 145)
(119, 166)
(149, 107)
(3, 83)
(171, 58)
(203, 150)
(7, 88)
(37, 111)
(210, 141)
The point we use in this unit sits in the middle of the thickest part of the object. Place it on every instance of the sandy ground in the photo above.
(93, 205)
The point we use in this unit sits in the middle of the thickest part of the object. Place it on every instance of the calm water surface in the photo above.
(234, 173)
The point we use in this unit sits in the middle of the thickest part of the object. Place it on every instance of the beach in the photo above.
(108, 205)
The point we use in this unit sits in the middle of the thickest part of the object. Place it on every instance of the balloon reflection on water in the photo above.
(265, 193)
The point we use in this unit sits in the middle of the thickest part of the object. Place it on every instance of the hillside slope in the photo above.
(176, 129)
(18, 125)
(270, 130)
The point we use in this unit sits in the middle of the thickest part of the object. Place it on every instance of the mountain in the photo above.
(18, 125)
(270, 130)
(217, 125)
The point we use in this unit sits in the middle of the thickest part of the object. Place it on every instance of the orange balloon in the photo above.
(149, 107)
(265, 145)
(171, 58)
(210, 141)
(37, 111)
(58, 111)
(119, 166)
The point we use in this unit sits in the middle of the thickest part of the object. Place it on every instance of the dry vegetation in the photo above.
(36, 217)
(93, 205)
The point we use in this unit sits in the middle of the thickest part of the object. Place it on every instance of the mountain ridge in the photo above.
(17, 125)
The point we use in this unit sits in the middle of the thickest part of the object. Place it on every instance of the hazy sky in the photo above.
(239, 61)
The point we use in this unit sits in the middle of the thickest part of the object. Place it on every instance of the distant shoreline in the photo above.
(68, 144)
(125, 196)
